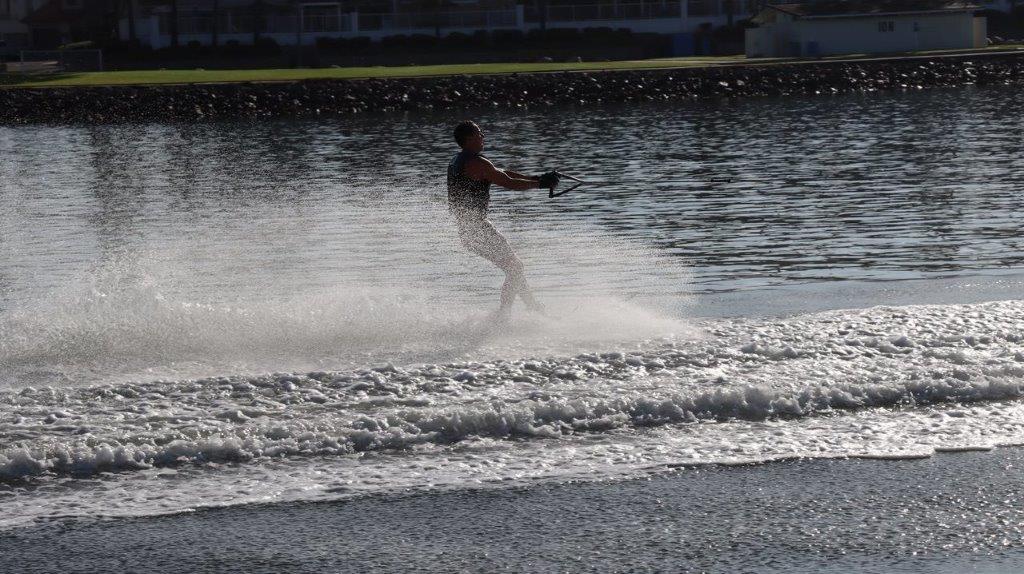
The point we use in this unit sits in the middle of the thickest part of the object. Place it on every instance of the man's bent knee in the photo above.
(513, 266)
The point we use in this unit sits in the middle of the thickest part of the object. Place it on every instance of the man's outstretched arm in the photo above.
(511, 173)
(483, 170)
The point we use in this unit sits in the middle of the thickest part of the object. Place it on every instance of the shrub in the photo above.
(456, 40)
(553, 36)
(396, 41)
(601, 33)
(506, 37)
(328, 44)
(360, 44)
(266, 45)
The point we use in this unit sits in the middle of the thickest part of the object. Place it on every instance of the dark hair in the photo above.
(464, 130)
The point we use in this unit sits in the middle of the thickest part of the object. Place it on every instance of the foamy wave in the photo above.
(548, 419)
(750, 370)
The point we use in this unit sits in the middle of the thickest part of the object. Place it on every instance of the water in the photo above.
(229, 313)
(800, 517)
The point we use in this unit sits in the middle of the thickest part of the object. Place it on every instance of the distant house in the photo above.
(163, 23)
(832, 27)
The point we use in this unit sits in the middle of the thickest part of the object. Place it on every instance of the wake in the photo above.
(750, 370)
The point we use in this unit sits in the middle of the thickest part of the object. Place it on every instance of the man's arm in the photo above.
(482, 169)
(511, 173)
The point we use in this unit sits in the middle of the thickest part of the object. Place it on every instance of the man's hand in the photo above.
(548, 180)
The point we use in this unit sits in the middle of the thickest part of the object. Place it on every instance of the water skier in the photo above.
(470, 176)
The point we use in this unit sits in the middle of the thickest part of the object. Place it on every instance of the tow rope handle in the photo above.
(551, 190)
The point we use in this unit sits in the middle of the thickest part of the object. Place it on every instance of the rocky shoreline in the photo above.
(315, 98)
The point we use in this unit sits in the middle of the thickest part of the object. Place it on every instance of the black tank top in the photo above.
(466, 196)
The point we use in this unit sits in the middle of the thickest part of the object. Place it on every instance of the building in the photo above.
(160, 24)
(864, 27)
(15, 35)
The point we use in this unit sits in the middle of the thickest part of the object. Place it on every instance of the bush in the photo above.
(506, 37)
(361, 44)
(415, 42)
(423, 42)
(456, 40)
(327, 44)
(266, 46)
(553, 36)
(601, 33)
(343, 45)
(396, 41)
(232, 48)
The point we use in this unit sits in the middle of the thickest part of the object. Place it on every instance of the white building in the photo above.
(865, 27)
(289, 22)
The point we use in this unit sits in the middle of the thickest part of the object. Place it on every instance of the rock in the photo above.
(310, 98)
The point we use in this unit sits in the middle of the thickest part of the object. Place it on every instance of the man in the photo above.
(470, 176)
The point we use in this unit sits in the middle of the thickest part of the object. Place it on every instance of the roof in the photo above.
(199, 5)
(206, 4)
(89, 12)
(851, 8)
(50, 13)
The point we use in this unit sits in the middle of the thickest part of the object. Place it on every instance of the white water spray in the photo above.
(342, 294)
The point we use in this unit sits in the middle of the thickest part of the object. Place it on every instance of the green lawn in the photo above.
(142, 77)
(284, 75)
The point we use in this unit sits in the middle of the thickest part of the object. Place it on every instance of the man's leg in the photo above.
(515, 283)
(482, 238)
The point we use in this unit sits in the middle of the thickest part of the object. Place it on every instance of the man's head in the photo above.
(469, 137)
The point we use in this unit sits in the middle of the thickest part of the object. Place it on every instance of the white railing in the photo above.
(424, 20)
(326, 23)
(703, 7)
(636, 14)
(630, 11)
(192, 24)
(229, 22)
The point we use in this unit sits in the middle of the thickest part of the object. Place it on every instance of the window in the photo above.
(887, 26)
(5, 8)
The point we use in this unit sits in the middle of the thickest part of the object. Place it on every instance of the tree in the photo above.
(258, 20)
(216, 21)
(132, 36)
(174, 23)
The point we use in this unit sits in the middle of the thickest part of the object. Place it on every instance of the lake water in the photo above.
(219, 314)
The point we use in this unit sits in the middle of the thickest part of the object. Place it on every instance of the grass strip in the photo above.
(200, 76)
